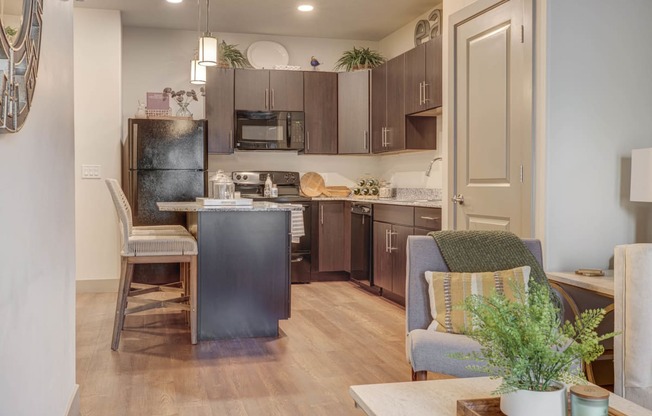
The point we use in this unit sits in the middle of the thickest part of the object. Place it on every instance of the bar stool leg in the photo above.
(126, 270)
(193, 299)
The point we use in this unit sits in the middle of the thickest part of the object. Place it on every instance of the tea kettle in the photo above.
(220, 186)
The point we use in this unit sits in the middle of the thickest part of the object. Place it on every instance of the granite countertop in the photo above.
(197, 207)
(388, 201)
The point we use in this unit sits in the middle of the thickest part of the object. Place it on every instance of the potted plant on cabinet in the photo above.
(524, 342)
(231, 57)
(359, 58)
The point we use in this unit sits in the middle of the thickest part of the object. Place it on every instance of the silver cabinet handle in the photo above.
(384, 137)
(231, 139)
(272, 106)
(321, 214)
(420, 93)
(297, 260)
(308, 141)
(386, 241)
(426, 87)
(266, 98)
(458, 199)
(365, 138)
(134, 147)
(429, 218)
(391, 248)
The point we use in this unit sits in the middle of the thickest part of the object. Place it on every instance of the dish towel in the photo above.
(296, 225)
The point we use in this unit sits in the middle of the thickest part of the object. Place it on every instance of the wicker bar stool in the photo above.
(153, 245)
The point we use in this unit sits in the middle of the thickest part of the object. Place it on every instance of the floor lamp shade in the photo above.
(197, 73)
(208, 50)
(641, 187)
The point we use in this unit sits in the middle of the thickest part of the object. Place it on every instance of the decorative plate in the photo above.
(266, 55)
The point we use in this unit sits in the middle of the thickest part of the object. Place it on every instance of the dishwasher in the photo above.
(361, 244)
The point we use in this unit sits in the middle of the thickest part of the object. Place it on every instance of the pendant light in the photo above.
(207, 44)
(197, 72)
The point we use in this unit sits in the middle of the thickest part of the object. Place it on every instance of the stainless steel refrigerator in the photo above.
(163, 160)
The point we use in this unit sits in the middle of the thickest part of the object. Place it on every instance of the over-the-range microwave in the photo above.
(269, 130)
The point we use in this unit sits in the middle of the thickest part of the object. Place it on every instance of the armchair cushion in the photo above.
(430, 351)
(447, 292)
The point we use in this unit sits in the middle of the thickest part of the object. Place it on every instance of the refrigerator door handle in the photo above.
(134, 146)
(134, 193)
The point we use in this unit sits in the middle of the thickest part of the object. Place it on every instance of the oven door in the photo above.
(278, 130)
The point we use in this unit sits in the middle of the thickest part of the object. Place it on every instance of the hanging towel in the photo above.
(296, 225)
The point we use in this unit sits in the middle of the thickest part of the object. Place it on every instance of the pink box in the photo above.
(158, 101)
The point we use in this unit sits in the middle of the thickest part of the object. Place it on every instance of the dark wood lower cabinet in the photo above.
(331, 237)
(382, 257)
(398, 246)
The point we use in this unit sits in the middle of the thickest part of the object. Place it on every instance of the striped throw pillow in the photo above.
(448, 290)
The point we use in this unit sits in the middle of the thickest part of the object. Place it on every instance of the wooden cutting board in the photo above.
(312, 184)
(337, 191)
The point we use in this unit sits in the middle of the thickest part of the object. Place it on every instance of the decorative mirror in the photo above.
(20, 42)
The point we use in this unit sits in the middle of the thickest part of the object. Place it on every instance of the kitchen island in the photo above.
(243, 276)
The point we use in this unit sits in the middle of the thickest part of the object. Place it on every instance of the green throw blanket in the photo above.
(486, 251)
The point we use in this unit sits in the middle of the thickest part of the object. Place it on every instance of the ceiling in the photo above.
(338, 19)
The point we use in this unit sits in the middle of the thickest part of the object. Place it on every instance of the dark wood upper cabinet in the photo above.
(388, 106)
(252, 89)
(286, 90)
(320, 106)
(354, 136)
(378, 107)
(220, 109)
(263, 90)
(423, 71)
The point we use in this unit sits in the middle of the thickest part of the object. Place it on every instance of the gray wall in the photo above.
(599, 107)
(37, 244)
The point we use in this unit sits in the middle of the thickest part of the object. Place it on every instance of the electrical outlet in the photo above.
(90, 172)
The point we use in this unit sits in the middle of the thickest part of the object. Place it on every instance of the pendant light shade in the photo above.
(197, 73)
(208, 50)
(208, 43)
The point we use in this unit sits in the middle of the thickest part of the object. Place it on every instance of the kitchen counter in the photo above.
(387, 201)
(197, 207)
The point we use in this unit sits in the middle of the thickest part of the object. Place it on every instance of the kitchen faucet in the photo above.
(431, 163)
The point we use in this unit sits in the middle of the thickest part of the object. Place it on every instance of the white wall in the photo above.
(37, 242)
(599, 101)
(98, 116)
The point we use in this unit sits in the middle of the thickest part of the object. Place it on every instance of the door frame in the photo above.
(454, 20)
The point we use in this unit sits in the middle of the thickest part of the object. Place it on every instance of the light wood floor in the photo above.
(338, 336)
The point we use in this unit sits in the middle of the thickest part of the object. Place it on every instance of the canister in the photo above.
(589, 401)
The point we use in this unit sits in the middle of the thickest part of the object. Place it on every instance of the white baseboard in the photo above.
(97, 285)
(73, 403)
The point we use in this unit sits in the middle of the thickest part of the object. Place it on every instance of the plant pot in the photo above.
(535, 403)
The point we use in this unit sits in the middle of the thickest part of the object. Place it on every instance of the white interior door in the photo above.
(492, 117)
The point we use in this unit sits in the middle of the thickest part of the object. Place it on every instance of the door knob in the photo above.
(458, 199)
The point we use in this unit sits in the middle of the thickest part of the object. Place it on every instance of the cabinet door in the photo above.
(382, 257)
(320, 103)
(286, 90)
(395, 135)
(220, 111)
(415, 77)
(421, 231)
(251, 89)
(353, 112)
(398, 246)
(378, 108)
(433, 73)
(331, 237)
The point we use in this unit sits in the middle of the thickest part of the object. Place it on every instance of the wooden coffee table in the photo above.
(439, 397)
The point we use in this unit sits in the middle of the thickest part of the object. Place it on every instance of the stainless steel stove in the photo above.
(251, 184)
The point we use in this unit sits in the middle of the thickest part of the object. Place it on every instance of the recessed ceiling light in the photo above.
(305, 8)
(174, 1)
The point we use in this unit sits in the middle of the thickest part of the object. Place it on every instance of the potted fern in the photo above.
(359, 58)
(524, 342)
(231, 57)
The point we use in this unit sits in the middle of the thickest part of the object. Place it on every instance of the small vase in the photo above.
(535, 403)
(183, 110)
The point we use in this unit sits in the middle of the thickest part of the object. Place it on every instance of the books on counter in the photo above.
(212, 202)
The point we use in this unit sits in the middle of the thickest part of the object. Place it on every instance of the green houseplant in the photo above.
(232, 57)
(524, 342)
(359, 58)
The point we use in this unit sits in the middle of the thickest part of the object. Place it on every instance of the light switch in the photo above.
(91, 172)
